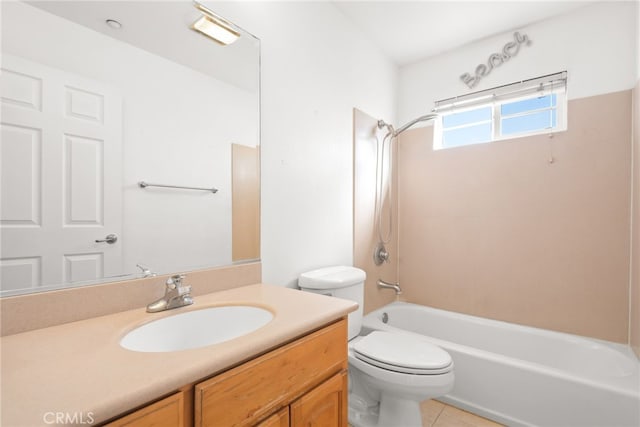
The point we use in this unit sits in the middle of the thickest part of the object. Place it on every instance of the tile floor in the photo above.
(438, 414)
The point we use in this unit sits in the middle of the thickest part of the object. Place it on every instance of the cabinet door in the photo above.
(279, 419)
(325, 405)
(167, 412)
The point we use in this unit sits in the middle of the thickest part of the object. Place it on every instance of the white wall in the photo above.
(315, 68)
(172, 133)
(595, 44)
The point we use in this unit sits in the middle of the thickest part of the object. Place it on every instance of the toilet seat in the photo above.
(402, 353)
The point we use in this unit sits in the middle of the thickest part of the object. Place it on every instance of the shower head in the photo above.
(424, 118)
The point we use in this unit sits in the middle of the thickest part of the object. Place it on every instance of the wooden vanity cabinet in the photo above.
(279, 419)
(303, 383)
(168, 412)
(308, 374)
(326, 405)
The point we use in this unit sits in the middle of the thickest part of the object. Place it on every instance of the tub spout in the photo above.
(387, 285)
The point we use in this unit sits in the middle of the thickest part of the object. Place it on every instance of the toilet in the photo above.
(389, 373)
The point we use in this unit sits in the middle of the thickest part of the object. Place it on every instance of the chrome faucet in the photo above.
(387, 285)
(176, 295)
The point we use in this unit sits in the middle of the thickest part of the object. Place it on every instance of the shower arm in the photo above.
(424, 118)
(393, 132)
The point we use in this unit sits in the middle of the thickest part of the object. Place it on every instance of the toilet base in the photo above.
(363, 418)
(396, 412)
(363, 408)
(391, 412)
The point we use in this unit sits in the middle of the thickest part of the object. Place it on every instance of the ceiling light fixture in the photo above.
(214, 27)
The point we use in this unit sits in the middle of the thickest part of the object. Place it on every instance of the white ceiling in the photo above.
(409, 31)
(162, 28)
(405, 31)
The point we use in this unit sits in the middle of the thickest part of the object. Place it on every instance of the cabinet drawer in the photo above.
(167, 412)
(244, 395)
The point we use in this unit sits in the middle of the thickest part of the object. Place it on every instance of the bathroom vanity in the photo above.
(301, 383)
(291, 371)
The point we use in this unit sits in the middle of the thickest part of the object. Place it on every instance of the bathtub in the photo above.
(523, 376)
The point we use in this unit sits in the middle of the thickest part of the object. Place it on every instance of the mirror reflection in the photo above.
(97, 99)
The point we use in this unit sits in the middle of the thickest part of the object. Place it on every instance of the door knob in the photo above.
(110, 239)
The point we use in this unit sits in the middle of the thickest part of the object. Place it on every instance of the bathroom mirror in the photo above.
(98, 98)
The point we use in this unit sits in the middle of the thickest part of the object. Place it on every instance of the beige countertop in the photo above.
(80, 367)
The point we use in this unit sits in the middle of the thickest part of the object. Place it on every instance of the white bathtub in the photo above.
(522, 376)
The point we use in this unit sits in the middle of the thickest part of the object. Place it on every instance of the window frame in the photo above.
(497, 117)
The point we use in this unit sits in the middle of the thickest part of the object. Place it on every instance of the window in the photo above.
(522, 109)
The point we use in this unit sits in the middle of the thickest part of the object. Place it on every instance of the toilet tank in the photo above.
(340, 282)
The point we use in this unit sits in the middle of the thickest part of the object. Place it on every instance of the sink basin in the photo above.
(194, 329)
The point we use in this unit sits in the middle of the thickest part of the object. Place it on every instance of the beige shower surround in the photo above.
(496, 230)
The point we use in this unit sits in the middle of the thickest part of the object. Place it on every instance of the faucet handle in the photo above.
(146, 271)
(175, 281)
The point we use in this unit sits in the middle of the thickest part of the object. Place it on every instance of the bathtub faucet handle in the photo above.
(380, 254)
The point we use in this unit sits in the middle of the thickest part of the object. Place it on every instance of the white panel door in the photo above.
(61, 177)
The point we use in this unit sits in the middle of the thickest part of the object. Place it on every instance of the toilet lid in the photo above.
(402, 353)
